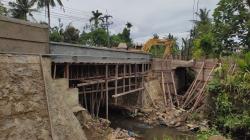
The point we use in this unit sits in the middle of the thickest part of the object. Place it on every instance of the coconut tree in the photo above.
(47, 4)
(203, 16)
(97, 17)
(129, 25)
(21, 8)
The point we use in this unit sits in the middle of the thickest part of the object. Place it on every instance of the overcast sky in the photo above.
(147, 16)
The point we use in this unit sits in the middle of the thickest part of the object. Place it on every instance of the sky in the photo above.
(147, 16)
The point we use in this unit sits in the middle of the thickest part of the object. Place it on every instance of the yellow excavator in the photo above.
(168, 43)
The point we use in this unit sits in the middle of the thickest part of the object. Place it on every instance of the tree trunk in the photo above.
(48, 8)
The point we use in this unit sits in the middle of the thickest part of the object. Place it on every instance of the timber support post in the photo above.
(107, 91)
(116, 80)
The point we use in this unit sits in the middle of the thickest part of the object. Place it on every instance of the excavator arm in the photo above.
(155, 41)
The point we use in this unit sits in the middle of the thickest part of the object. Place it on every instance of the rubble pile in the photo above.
(121, 134)
(170, 117)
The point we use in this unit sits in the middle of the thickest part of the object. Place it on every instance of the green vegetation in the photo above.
(230, 94)
(231, 30)
(21, 8)
(203, 38)
(48, 4)
(96, 34)
(225, 33)
(204, 135)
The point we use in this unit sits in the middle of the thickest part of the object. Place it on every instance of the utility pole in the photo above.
(106, 24)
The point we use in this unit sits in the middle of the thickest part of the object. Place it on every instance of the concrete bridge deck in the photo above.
(71, 53)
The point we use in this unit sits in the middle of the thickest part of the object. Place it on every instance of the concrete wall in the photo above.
(20, 36)
(64, 52)
(23, 104)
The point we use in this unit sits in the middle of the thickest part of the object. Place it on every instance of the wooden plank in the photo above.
(116, 77)
(90, 82)
(142, 91)
(85, 98)
(54, 73)
(149, 95)
(67, 72)
(128, 92)
(170, 96)
(163, 88)
(136, 66)
(175, 91)
(95, 81)
(110, 89)
(201, 91)
(47, 97)
(192, 86)
(107, 91)
(124, 80)
(129, 80)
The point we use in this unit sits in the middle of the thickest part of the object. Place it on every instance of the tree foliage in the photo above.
(71, 34)
(231, 31)
(96, 18)
(203, 40)
(47, 4)
(21, 8)
(231, 99)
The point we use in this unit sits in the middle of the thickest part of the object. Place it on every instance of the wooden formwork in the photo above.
(103, 84)
(164, 70)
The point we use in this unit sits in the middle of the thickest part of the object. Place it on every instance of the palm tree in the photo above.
(21, 8)
(96, 18)
(203, 15)
(129, 25)
(47, 4)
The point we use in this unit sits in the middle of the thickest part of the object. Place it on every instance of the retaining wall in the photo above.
(20, 36)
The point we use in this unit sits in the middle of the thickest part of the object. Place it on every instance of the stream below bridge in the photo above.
(145, 131)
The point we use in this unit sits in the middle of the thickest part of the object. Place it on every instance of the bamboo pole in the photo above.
(194, 96)
(170, 96)
(163, 88)
(192, 86)
(136, 66)
(85, 98)
(54, 74)
(124, 80)
(47, 97)
(92, 103)
(150, 96)
(107, 97)
(175, 92)
(201, 91)
(143, 80)
(99, 102)
(129, 80)
(67, 72)
(110, 89)
(116, 77)
(128, 92)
